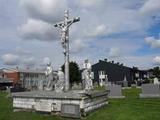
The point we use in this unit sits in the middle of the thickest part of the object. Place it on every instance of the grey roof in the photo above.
(23, 70)
(30, 71)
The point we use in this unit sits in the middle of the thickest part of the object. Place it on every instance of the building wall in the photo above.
(30, 80)
(115, 72)
(26, 79)
(13, 76)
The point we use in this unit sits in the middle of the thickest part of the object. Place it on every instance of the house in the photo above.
(4, 83)
(25, 78)
(117, 73)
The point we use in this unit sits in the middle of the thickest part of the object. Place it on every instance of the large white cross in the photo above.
(64, 26)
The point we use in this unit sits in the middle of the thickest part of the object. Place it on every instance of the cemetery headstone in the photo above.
(125, 82)
(156, 81)
(115, 91)
(150, 90)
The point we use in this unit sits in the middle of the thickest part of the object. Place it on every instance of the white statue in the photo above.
(106, 79)
(87, 75)
(125, 82)
(103, 79)
(59, 86)
(49, 76)
(156, 81)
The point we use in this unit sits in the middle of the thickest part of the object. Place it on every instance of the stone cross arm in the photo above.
(69, 22)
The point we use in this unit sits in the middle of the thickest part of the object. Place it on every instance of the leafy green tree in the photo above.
(156, 72)
(74, 71)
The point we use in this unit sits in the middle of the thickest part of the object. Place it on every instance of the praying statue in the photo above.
(49, 77)
(87, 75)
(59, 86)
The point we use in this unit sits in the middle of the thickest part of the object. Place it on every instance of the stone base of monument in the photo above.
(74, 104)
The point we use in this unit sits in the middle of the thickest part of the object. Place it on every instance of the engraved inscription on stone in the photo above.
(70, 110)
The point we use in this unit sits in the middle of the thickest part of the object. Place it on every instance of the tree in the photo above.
(74, 72)
(156, 72)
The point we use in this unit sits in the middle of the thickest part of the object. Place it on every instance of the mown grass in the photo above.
(130, 108)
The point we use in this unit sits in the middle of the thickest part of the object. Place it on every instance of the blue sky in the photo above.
(125, 31)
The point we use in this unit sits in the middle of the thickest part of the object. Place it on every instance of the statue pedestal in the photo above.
(75, 103)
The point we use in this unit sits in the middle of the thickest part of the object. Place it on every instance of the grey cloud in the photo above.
(151, 7)
(114, 52)
(22, 51)
(46, 10)
(11, 59)
(38, 30)
(45, 61)
(31, 61)
(78, 46)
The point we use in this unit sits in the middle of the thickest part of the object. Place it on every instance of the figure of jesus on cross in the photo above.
(64, 26)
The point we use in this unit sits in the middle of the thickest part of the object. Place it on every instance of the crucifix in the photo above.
(64, 26)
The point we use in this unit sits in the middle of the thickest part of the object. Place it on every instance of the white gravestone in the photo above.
(125, 82)
(156, 81)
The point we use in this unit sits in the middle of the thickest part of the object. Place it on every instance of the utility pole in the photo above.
(64, 26)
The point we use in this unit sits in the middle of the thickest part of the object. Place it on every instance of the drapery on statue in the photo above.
(87, 75)
(49, 76)
(59, 86)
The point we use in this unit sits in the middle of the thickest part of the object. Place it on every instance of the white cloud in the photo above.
(100, 30)
(46, 10)
(156, 60)
(78, 46)
(114, 52)
(31, 61)
(46, 60)
(19, 57)
(154, 43)
(128, 19)
(38, 30)
(115, 16)
(151, 7)
(142, 62)
(90, 3)
(11, 59)
(21, 51)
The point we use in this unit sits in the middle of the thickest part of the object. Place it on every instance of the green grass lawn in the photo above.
(130, 108)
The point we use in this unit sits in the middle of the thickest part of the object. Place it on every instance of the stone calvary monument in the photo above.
(62, 100)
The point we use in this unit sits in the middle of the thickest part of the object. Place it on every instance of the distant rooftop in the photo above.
(22, 70)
